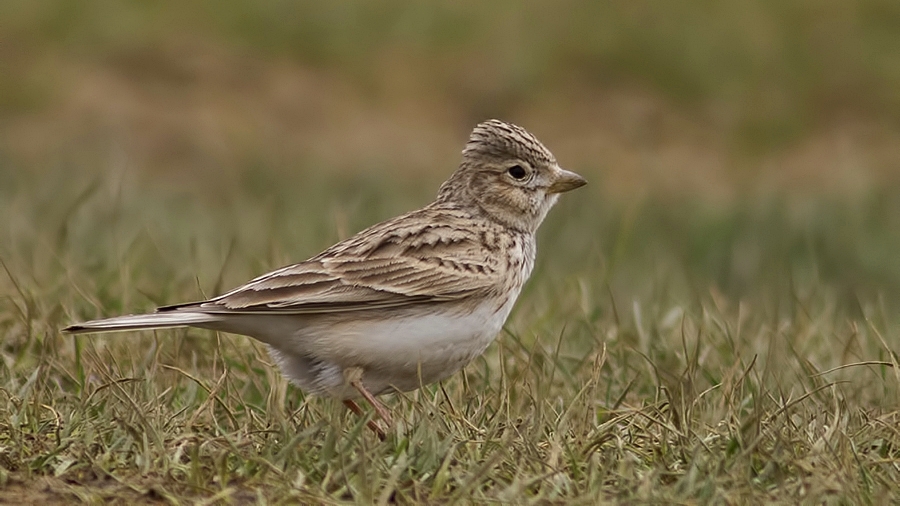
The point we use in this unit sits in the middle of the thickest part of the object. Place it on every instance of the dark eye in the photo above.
(517, 172)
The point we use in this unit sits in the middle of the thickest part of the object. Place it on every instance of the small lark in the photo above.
(406, 302)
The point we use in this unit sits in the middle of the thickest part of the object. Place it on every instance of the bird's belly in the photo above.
(408, 350)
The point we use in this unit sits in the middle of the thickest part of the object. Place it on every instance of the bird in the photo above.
(406, 302)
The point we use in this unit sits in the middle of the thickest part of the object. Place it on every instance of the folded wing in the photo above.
(395, 267)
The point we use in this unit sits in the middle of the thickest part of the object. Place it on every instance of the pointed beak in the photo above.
(565, 181)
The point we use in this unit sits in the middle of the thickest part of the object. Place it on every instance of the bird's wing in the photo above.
(394, 264)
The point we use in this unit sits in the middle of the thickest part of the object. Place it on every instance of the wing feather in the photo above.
(386, 266)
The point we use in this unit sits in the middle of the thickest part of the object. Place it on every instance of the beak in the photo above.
(565, 181)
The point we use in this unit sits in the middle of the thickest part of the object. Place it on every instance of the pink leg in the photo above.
(379, 408)
(354, 407)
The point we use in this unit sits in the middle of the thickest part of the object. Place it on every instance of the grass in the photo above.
(662, 352)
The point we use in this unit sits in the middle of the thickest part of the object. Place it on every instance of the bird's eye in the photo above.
(517, 172)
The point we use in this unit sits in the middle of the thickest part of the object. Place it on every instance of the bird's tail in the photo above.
(142, 322)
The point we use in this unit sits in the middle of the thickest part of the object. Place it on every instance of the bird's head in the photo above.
(509, 175)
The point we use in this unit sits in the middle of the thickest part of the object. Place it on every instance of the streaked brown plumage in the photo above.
(405, 302)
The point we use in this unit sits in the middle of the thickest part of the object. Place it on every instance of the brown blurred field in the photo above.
(714, 319)
(687, 98)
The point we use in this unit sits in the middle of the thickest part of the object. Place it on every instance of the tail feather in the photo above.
(142, 322)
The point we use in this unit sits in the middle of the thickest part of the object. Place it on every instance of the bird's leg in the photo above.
(371, 424)
(379, 408)
(353, 375)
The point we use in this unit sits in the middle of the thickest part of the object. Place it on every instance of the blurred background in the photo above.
(733, 136)
(706, 99)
